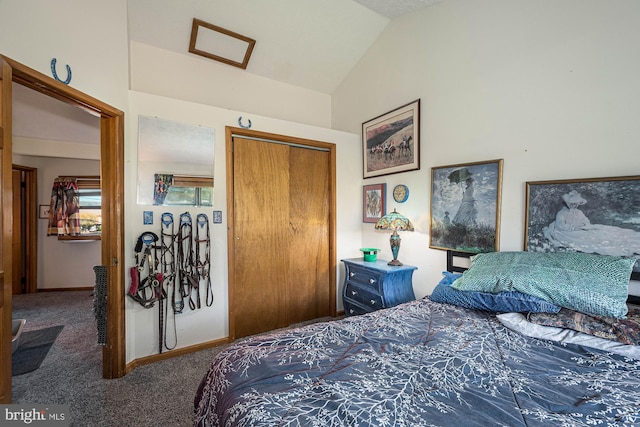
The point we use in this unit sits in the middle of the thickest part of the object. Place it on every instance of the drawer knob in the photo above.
(372, 281)
(351, 311)
(373, 302)
(354, 293)
(351, 274)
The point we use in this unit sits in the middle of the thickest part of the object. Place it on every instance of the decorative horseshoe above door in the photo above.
(243, 126)
(55, 74)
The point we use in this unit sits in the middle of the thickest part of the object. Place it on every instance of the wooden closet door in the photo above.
(280, 236)
(308, 280)
(261, 204)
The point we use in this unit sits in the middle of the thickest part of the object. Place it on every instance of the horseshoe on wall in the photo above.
(55, 74)
(243, 126)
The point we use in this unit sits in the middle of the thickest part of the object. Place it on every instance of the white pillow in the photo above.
(519, 323)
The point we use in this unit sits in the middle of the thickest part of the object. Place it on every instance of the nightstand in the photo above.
(370, 286)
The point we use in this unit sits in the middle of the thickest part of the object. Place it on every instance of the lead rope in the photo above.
(168, 260)
(203, 266)
(187, 278)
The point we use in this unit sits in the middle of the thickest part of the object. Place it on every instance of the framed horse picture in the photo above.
(391, 142)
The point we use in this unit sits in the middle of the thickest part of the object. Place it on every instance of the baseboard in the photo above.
(84, 288)
(174, 353)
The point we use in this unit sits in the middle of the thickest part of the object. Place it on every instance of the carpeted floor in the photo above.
(160, 394)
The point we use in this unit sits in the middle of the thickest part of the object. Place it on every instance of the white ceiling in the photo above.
(308, 43)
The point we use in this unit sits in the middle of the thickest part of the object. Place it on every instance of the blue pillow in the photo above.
(502, 302)
(590, 283)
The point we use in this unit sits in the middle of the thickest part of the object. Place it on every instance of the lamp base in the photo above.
(395, 262)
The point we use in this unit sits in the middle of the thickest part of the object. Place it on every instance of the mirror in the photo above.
(175, 163)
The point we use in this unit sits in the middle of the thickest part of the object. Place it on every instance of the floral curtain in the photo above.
(64, 209)
(161, 187)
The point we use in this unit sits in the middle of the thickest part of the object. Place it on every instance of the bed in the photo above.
(435, 363)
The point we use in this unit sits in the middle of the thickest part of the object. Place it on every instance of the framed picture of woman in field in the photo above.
(391, 142)
(592, 215)
(465, 206)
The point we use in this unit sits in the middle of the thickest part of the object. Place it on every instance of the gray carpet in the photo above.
(160, 394)
(71, 374)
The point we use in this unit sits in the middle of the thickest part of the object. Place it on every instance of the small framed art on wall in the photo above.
(373, 202)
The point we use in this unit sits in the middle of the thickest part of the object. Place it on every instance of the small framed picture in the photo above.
(147, 217)
(43, 211)
(373, 202)
(391, 142)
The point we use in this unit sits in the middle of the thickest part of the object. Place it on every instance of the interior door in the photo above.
(5, 236)
(261, 218)
(17, 246)
(280, 239)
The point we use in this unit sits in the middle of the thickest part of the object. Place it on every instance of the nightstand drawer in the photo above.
(363, 296)
(351, 308)
(364, 277)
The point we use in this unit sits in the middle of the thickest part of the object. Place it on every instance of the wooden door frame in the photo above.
(112, 173)
(31, 226)
(246, 133)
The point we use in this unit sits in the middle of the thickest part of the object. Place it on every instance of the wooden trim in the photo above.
(112, 175)
(6, 202)
(79, 238)
(83, 288)
(175, 353)
(192, 181)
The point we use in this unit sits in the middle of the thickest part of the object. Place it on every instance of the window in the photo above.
(90, 203)
(189, 191)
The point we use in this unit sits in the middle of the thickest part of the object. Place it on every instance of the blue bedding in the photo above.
(417, 364)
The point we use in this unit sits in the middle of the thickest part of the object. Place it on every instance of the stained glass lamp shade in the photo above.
(394, 221)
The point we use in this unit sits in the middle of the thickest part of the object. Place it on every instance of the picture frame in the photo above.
(374, 204)
(391, 141)
(592, 215)
(465, 206)
(43, 211)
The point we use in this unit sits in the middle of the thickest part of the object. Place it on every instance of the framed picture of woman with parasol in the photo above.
(465, 206)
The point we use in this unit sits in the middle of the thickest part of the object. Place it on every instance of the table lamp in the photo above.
(394, 221)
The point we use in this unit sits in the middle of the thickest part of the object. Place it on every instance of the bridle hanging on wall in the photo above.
(175, 264)
(168, 263)
(203, 256)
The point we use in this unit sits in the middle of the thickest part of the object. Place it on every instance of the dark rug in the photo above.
(33, 348)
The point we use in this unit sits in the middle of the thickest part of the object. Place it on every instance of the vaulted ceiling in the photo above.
(308, 43)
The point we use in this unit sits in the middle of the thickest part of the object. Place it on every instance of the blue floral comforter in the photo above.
(418, 364)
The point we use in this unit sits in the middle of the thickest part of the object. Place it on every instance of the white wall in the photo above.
(550, 87)
(62, 264)
(197, 79)
(211, 323)
(92, 38)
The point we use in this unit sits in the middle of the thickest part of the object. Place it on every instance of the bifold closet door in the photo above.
(281, 241)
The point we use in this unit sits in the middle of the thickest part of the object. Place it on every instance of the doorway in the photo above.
(112, 173)
(25, 240)
(281, 234)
